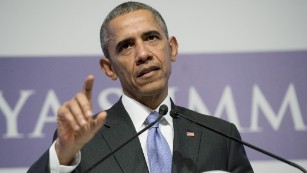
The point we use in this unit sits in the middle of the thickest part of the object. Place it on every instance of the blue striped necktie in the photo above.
(158, 151)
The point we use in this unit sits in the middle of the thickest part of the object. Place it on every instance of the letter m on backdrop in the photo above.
(259, 102)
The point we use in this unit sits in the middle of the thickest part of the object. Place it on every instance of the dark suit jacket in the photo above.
(204, 151)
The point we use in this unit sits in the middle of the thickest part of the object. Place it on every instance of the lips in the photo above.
(147, 70)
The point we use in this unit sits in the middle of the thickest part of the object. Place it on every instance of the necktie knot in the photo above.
(152, 117)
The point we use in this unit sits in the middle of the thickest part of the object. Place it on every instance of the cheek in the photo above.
(125, 71)
(168, 67)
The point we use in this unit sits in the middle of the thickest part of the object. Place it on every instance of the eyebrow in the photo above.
(123, 42)
(152, 32)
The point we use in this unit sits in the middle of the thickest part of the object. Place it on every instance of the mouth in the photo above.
(147, 70)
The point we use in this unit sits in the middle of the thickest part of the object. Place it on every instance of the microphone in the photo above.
(162, 111)
(175, 114)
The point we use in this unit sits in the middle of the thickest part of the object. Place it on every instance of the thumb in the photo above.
(100, 120)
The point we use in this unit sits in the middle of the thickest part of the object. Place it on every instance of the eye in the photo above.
(125, 45)
(151, 37)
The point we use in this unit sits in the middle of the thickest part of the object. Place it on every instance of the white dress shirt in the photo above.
(138, 114)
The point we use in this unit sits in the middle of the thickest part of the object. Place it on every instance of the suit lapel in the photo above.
(187, 138)
(130, 158)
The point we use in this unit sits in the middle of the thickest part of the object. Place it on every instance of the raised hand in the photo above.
(75, 124)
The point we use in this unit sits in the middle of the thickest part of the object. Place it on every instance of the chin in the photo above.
(152, 90)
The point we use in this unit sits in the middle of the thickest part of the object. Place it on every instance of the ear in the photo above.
(106, 66)
(173, 48)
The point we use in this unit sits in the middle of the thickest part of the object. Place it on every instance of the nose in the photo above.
(143, 54)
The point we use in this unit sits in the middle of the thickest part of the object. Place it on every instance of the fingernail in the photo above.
(82, 121)
(89, 113)
(76, 127)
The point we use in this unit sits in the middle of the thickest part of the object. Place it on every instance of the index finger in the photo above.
(88, 86)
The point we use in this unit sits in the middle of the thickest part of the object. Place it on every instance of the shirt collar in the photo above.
(139, 112)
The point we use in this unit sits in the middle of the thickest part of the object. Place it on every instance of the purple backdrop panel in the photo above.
(264, 94)
(266, 91)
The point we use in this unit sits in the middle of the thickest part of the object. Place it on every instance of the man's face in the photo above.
(140, 54)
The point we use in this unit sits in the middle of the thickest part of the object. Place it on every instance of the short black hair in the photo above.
(125, 8)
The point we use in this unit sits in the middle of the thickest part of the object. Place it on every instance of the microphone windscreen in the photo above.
(163, 109)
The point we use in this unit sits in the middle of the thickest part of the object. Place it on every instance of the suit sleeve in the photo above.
(238, 161)
(41, 165)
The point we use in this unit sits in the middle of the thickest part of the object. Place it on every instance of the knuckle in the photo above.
(62, 111)
(79, 95)
(72, 105)
(84, 106)
(79, 116)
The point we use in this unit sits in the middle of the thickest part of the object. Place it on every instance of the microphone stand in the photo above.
(176, 114)
(162, 111)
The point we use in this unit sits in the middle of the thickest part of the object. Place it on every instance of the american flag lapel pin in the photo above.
(190, 134)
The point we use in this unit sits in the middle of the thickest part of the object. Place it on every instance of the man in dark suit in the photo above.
(139, 53)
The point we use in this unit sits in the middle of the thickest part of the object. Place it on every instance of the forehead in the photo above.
(131, 23)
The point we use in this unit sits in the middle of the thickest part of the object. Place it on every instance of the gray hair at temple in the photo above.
(125, 8)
